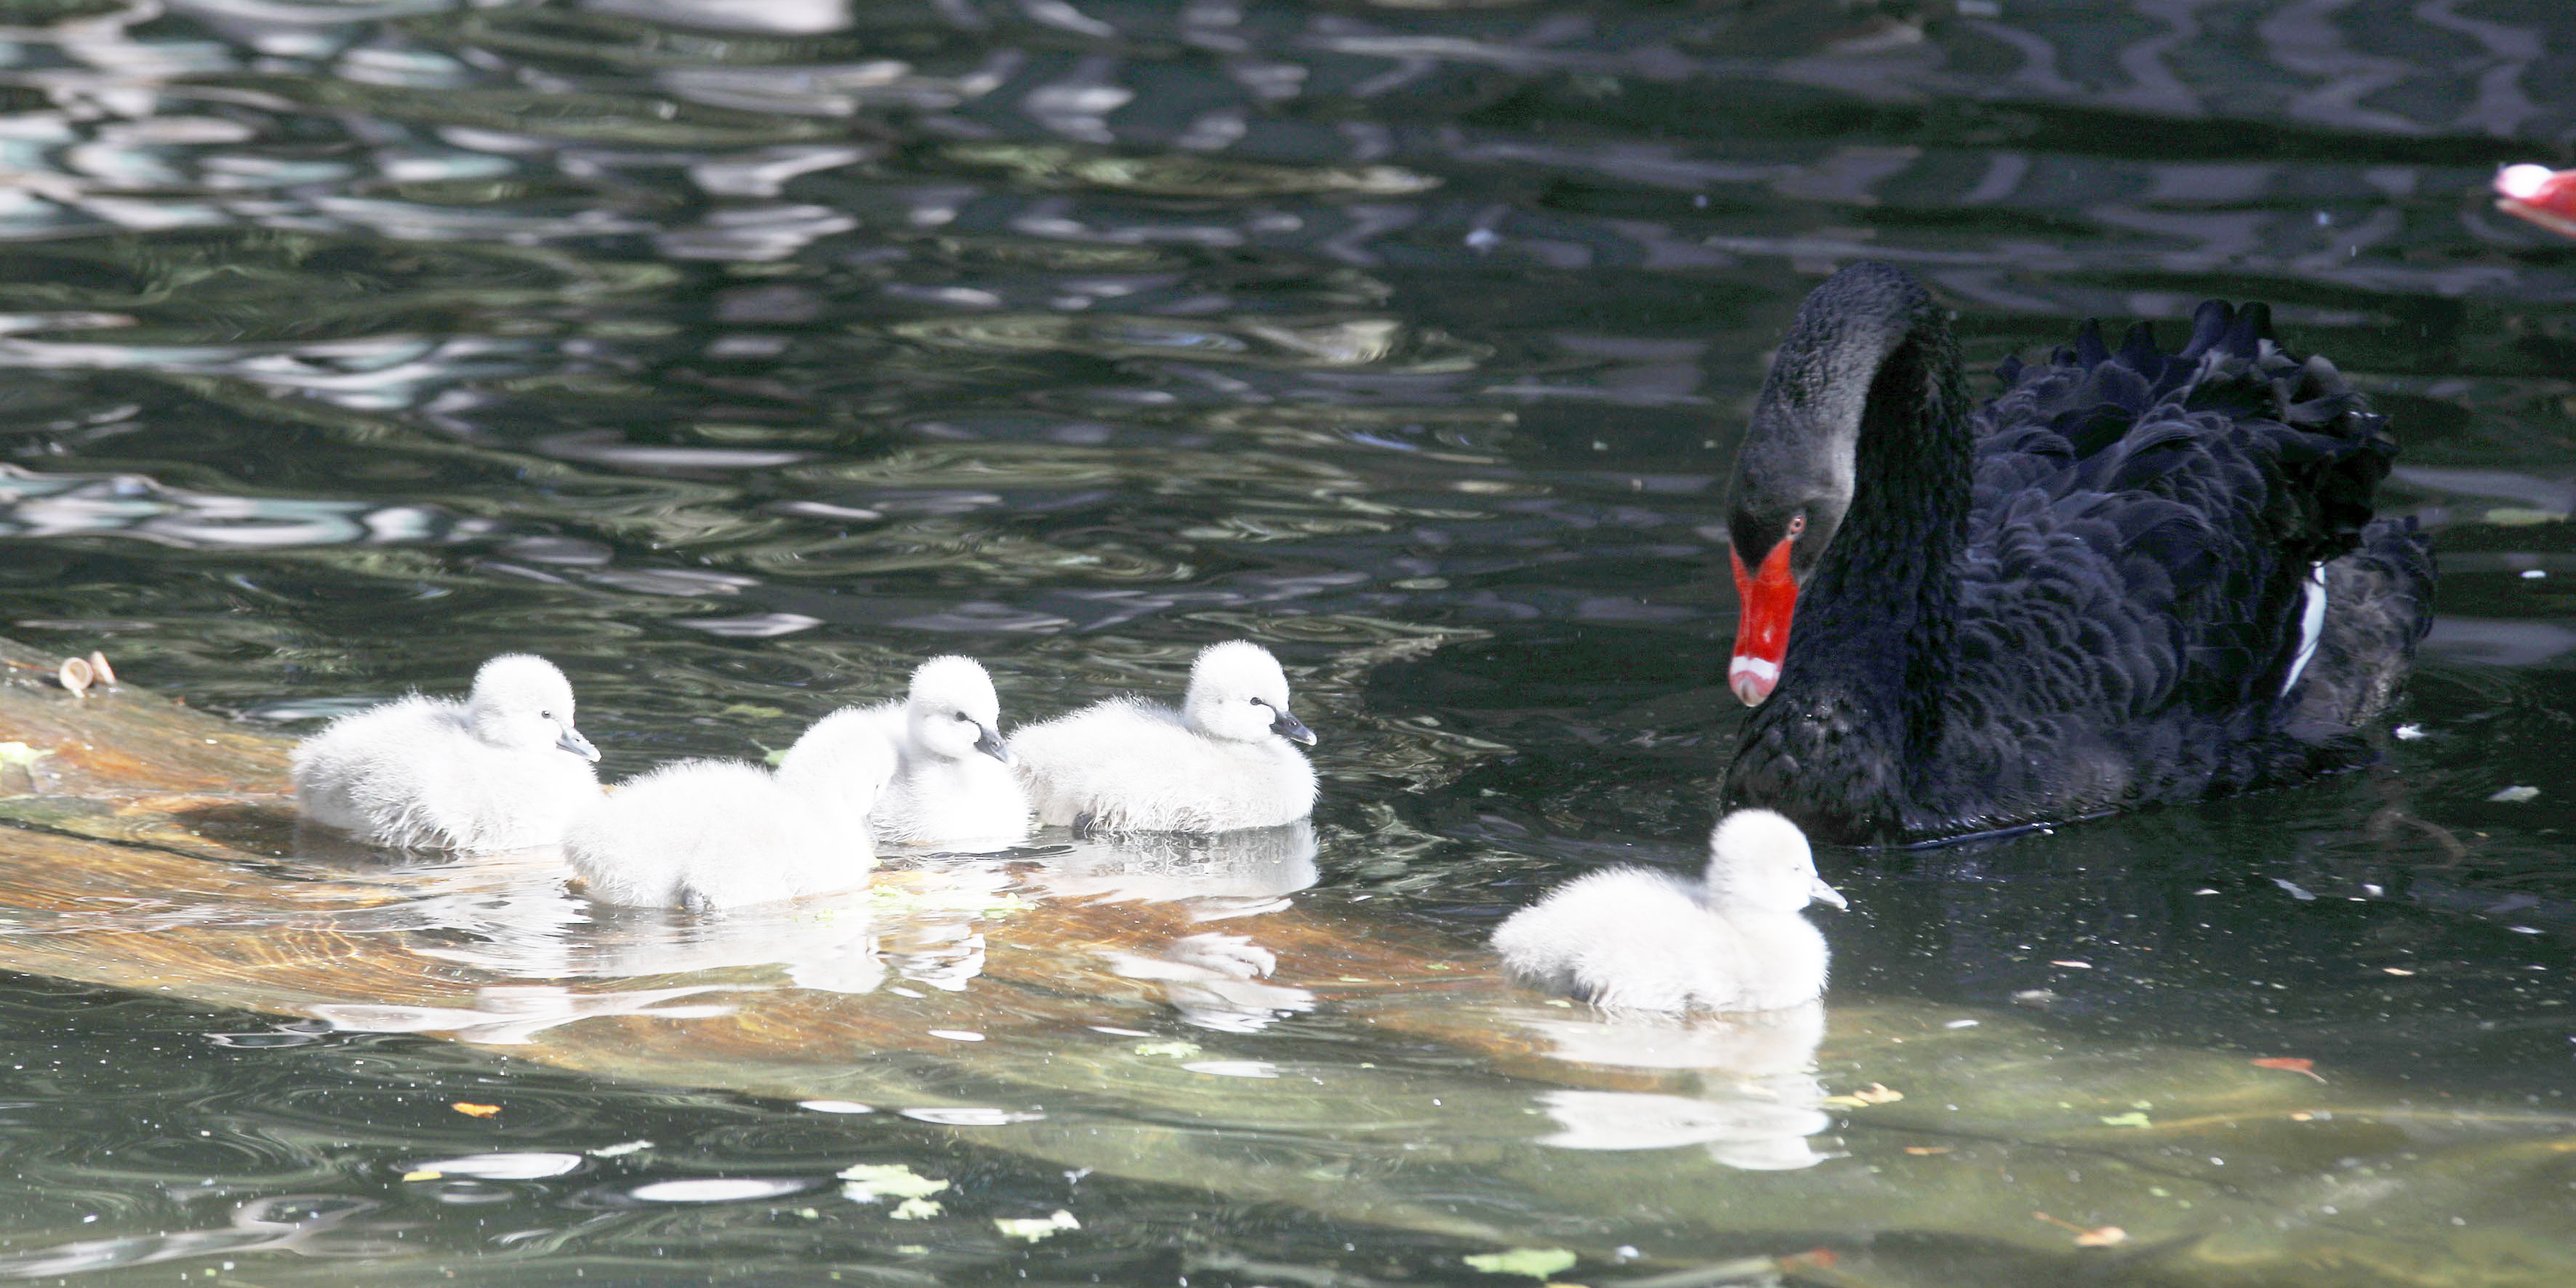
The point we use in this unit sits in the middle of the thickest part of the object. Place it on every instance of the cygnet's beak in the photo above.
(989, 741)
(571, 740)
(1289, 727)
(1822, 893)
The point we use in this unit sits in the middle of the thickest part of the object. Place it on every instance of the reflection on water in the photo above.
(308, 1225)
(739, 355)
(507, 1016)
(1759, 1100)
(1220, 875)
(521, 915)
(1214, 980)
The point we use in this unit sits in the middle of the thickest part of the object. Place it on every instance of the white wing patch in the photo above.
(2312, 623)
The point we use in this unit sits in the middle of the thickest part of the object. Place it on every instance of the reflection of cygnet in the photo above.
(1222, 762)
(722, 834)
(1226, 873)
(1213, 980)
(502, 770)
(1744, 1132)
(1641, 940)
(954, 784)
(1745, 1045)
(1759, 1098)
(822, 942)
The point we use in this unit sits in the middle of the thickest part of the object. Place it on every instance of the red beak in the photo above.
(1770, 597)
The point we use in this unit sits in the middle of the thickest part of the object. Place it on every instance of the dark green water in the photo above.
(737, 355)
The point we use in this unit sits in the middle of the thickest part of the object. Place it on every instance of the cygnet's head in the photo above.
(1759, 860)
(1237, 691)
(953, 712)
(522, 703)
(843, 761)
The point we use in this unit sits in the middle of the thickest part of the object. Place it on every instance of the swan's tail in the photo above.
(2380, 600)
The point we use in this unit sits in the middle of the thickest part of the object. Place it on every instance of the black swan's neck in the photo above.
(1857, 714)
(1878, 618)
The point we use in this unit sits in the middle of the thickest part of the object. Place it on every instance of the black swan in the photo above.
(2134, 577)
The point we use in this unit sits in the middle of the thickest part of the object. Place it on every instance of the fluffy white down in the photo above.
(707, 834)
(503, 770)
(1220, 763)
(1631, 939)
(953, 785)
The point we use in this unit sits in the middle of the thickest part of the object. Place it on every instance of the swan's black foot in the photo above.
(1083, 822)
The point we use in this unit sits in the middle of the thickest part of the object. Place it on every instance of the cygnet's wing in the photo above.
(1670, 954)
(328, 764)
(376, 772)
(849, 753)
(479, 798)
(324, 767)
(1621, 932)
(1134, 765)
(706, 833)
(894, 719)
(1068, 760)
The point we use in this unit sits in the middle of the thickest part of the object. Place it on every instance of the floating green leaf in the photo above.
(868, 1182)
(2514, 516)
(1537, 1263)
(892, 901)
(2126, 1120)
(1036, 1228)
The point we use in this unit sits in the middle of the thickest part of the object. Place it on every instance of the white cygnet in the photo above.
(953, 785)
(1632, 939)
(503, 770)
(706, 834)
(1222, 762)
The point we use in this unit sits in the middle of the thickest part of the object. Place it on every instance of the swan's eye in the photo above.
(1797, 524)
(545, 715)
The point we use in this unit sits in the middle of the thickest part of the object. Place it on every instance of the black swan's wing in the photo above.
(2144, 532)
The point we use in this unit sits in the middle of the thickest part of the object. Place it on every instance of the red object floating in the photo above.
(2292, 1064)
(2537, 193)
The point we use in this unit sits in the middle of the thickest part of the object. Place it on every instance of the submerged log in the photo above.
(1136, 1015)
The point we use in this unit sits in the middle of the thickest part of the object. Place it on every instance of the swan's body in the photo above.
(1225, 760)
(1631, 939)
(953, 785)
(503, 770)
(706, 834)
(2134, 577)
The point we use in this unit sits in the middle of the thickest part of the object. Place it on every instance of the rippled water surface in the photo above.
(737, 355)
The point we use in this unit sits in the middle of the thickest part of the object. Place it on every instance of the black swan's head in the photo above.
(1794, 475)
